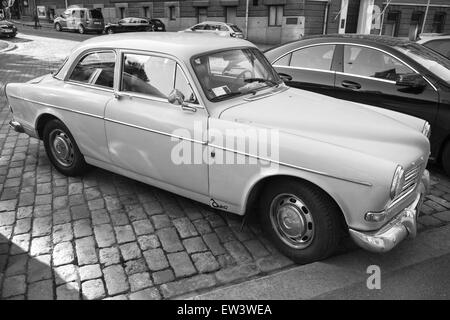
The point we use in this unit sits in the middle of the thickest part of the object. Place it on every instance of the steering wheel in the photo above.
(243, 73)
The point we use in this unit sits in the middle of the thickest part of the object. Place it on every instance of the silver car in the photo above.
(218, 28)
(208, 118)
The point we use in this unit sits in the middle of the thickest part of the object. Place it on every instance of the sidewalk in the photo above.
(346, 275)
(28, 22)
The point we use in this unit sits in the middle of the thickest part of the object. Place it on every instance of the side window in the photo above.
(183, 86)
(369, 62)
(95, 68)
(284, 60)
(199, 27)
(148, 75)
(82, 14)
(316, 57)
(440, 46)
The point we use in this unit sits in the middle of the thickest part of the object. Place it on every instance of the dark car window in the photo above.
(183, 86)
(284, 61)
(199, 27)
(235, 28)
(147, 74)
(96, 14)
(316, 57)
(95, 68)
(156, 22)
(369, 62)
(441, 46)
(429, 59)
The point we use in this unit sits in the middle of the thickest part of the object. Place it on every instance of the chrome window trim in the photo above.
(364, 183)
(117, 83)
(156, 131)
(306, 69)
(360, 45)
(81, 56)
(365, 77)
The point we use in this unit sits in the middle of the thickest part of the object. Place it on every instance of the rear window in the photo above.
(235, 28)
(96, 14)
(157, 22)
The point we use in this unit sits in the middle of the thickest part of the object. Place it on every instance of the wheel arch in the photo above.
(252, 196)
(42, 120)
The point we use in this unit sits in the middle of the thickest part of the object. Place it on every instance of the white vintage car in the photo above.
(209, 118)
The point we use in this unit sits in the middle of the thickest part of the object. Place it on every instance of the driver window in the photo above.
(372, 63)
(183, 86)
(96, 68)
(149, 75)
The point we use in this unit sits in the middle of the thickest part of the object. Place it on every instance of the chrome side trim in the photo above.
(365, 77)
(156, 131)
(57, 107)
(306, 69)
(364, 183)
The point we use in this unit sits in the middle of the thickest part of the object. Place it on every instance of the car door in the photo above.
(87, 89)
(309, 68)
(369, 76)
(146, 133)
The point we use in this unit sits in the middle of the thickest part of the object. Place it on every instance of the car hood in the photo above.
(6, 23)
(333, 121)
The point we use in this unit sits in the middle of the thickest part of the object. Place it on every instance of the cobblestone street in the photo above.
(106, 236)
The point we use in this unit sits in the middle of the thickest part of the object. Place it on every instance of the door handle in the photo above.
(189, 108)
(119, 95)
(351, 85)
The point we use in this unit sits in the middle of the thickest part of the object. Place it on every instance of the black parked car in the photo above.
(7, 29)
(158, 25)
(382, 71)
(129, 25)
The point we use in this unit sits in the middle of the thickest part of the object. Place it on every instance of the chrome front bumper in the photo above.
(16, 126)
(402, 226)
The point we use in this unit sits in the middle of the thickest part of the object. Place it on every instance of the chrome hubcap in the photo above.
(61, 147)
(292, 221)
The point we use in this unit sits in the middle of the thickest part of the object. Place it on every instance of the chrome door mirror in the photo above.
(177, 98)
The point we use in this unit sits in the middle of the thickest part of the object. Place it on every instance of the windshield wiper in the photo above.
(250, 80)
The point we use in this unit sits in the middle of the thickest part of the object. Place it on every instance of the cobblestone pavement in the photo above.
(106, 236)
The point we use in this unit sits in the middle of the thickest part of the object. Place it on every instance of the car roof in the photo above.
(179, 44)
(213, 22)
(426, 38)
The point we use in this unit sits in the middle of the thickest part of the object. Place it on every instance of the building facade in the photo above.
(269, 21)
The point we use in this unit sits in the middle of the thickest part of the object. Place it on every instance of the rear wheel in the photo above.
(58, 27)
(301, 220)
(81, 29)
(446, 158)
(109, 31)
(62, 149)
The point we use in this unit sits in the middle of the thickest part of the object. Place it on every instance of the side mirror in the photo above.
(285, 77)
(176, 97)
(411, 80)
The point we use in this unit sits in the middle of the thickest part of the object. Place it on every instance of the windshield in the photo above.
(96, 14)
(234, 72)
(235, 28)
(431, 60)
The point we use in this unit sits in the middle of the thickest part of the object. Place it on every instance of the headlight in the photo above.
(426, 130)
(397, 182)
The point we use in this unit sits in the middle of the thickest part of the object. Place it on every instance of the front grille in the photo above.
(411, 180)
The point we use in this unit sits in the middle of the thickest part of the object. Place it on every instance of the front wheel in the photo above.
(58, 27)
(301, 220)
(62, 149)
(109, 31)
(446, 158)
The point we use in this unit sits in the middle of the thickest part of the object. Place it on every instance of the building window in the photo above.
(146, 12)
(230, 15)
(438, 22)
(172, 13)
(122, 12)
(255, 3)
(275, 15)
(202, 14)
(417, 20)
